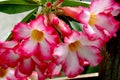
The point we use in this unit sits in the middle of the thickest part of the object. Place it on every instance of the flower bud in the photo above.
(72, 12)
(60, 25)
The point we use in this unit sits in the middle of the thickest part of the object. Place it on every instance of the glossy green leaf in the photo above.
(22, 2)
(92, 69)
(76, 26)
(75, 3)
(16, 6)
(29, 16)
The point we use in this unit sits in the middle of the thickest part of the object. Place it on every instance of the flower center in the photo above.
(74, 46)
(37, 35)
(3, 72)
(92, 19)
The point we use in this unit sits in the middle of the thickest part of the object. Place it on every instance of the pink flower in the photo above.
(77, 48)
(35, 37)
(60, 25)
(8, 57)
(8, 74)
(98, 19)
(27, 66)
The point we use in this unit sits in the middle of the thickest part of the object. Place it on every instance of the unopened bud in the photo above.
(49, 4)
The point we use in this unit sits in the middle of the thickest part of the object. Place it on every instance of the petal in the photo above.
(41, 75)
(93, 32)
(61, 52)
(54, 69)
(10, 58)
(107, 22)
(11, 75)
(33, 76)
(116, 9)
(45, 50)
(9, 44)
(21, 31)
(39, 62)
(91, 54)
(85, 40)
(84, 16)
(51, 36)
(97, 6)
(71, 65)
(18, 74)
(28, 47)
(38, 23)
(27, 66)
(74, 36)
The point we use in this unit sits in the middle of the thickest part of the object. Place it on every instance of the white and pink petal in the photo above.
(116, 9)
(61, 52)
(8, 44)
(28, 47)
(71, 65)
(85, 40)
(18, 74)
(41, 75)
(21, 31)
(27, 66)
(84, 16)
(107, 22)
(45, 50)
(38, 23)
(98, 6)
(10, 58)
(94, 33)
(54, 69)
(91, 54)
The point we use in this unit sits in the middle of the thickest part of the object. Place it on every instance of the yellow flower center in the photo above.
(74, 46)
(92, 20)
(3, 72)
(37, 35)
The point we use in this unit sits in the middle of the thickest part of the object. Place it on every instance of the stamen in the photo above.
(3, 72)
(37, 35)
(74, 46)
(92, 19)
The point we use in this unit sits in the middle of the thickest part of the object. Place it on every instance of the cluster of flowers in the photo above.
(47, 44)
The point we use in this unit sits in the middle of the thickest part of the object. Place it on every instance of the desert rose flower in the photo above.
(30, 67)
(35, 37)
(75, 50)
(98, 19)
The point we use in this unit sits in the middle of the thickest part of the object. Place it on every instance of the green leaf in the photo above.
(16, 6)
(43, 1)
(24, 2)
(92, 69)
(75, 3)
(29, 16)
(75, 25)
